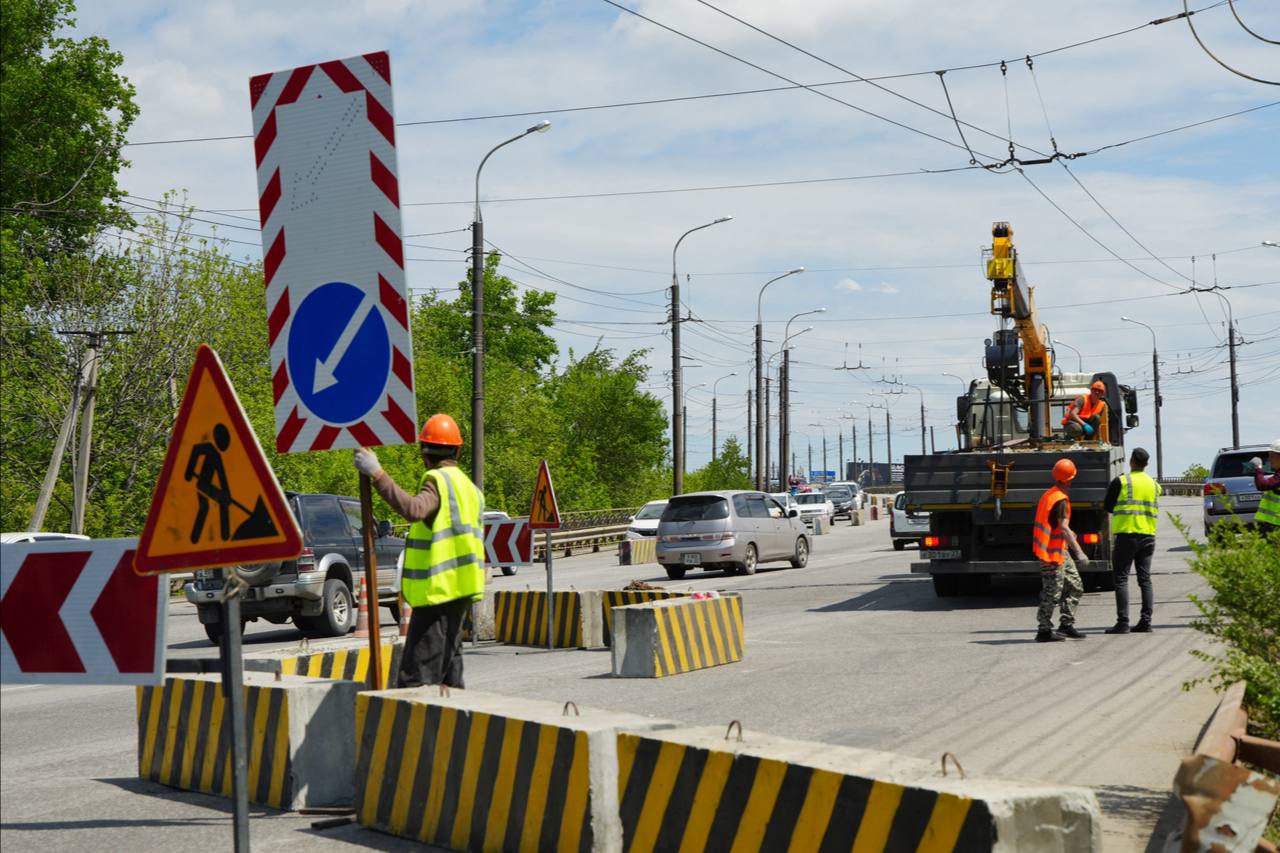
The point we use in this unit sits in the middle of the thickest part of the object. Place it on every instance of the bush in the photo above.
(1195, 471)
(1243, 612)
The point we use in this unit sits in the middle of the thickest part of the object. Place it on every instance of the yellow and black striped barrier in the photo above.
(184, 738)
(682, 793)
(349, 664)
(626, 597)
(479, 772)
(634, 552)
(520, 618)
(677, 635)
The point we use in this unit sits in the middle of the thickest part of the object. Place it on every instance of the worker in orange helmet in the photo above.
(1053, 543)
(1090, 421)
(444, 555)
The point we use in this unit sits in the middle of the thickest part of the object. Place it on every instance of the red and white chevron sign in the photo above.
(508, 543)
(333, 261)
(74, 612)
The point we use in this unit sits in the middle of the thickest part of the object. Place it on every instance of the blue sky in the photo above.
(1213, 189)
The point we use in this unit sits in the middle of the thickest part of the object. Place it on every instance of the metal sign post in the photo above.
(233, 690)
(371, 583)
(551, 599)
(544, 515)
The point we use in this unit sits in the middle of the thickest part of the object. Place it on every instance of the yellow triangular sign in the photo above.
(217, 501)
(544, 513)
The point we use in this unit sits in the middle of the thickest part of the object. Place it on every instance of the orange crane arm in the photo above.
(1012, 298)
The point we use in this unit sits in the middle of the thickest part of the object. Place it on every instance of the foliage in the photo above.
(1243, 612)
(729, 470)
(64, 110)
(1196, 472)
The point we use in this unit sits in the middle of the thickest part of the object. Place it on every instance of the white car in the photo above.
(36, 536)
(815, 505)
(906, 526)
(787, 500)
(644, 524)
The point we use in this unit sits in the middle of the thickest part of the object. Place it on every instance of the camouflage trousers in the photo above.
(1058, 585)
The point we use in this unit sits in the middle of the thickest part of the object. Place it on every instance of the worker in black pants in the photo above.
(1133, 501)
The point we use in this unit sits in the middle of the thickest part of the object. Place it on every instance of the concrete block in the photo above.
(345, 658)
(858, 518)
(476, 771)
(677, 635)
(520, 618)
(301, 738)
(766, 793)
(635, 552)
(622, 597)
(818, 526)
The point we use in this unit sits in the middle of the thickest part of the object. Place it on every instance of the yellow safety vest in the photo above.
(445, 562)
(1137, 509)
(1268, 511)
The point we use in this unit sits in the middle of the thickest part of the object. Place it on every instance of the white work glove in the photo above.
(366, 462)
(1082, 560)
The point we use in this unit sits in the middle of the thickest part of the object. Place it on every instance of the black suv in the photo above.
(316, 590)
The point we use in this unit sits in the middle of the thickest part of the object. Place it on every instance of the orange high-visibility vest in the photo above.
(1100, 409)
(1047, 542)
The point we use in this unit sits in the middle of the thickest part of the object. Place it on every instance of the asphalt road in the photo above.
(851, 650)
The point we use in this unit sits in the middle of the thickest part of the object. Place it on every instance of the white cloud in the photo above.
(885, 287)
(848, 284)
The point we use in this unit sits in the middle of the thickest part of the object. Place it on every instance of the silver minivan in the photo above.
(731, 530)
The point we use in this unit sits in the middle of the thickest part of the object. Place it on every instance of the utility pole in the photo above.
(784, 420)
(871, 451)
(809, 474)
(768, 451)
(1155, 368)
(1235, 388)
(853, 444)
(824, 457)
(922, 424)
(80, 486)
(713, 428)
(888, 438)
(750, 464)
(60, 447)
(840, 458)
(684, 438)
(933, 447)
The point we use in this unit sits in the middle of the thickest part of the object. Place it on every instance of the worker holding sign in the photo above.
(443, 554)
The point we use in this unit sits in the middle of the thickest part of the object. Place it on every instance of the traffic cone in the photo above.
(362, 612)
(405, 612)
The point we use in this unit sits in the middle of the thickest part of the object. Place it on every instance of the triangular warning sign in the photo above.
(217, 501)
(544, 513)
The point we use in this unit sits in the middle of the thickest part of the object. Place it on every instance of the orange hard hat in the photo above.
(1064, 470)
(1098, 386)
(441, 429)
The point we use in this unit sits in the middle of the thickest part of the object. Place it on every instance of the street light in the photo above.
(1155, 372)
(1079, 360)
(713, 412)
(762, 475)
(1272, 243)
(871, 453)
(677, 377)
(922, 429)
(784, 393)
(477, 317)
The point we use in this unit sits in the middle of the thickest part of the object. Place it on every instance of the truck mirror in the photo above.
(1131, 421)
(1130, 399)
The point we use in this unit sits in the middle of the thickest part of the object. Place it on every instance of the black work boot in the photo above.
(1143, 627)
(1118, 628)
(1070, 631)
(1049, 637)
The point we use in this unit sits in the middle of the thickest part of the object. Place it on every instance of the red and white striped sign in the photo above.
(75, 612)
(508, 543)
(333, 260)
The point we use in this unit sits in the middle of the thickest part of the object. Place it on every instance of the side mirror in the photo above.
(384, 528)
(1130, 421)
(793, 513)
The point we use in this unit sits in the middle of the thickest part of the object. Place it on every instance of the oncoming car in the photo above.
(644, 524)
(732, 530)
(815, 505)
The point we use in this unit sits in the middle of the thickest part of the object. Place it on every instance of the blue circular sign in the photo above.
(339, 352)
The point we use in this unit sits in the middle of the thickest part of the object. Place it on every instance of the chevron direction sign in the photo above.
(508, 543)
(75, 612)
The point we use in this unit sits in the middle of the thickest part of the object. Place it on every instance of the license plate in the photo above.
(1249, 498)
(692, 559)
(947, 554)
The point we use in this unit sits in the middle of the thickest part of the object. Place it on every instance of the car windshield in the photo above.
(1232, 464)
(840, 494)
(696, 508)
(812, 498)
(651, 511)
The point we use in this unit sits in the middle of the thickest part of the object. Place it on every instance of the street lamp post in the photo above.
(477, 317)
(677, 376)
(824, 451)
(964, 383)
(1155, 373)
(761, 474)
(684, 424)
(713, 413)
(1079, 360)
(784, 389)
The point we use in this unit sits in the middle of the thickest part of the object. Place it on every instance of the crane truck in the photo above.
(981, 498)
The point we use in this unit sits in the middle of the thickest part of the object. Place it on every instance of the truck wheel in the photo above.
(676, 573)
(947, 586)
(339, 614)
(748, 564)
(899, 544)
(508, 571)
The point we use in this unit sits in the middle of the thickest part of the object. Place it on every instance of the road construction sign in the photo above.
(544, 513)
(217, 501)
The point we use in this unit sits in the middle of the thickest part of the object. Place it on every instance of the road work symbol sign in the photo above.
(544, 513)
(217, 502)
(333, 260)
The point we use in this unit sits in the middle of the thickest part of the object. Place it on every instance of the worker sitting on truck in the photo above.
(1051, 538)
(1089, 421)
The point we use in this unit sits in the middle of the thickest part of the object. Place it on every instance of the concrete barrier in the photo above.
(623, 597)
(818, 526)
(635, 552)
(301, 738)
(520, 618)
(663, 638)
(858, 518)
(475, 771)
(695, 789)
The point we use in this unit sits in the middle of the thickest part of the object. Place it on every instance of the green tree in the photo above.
(64, 111)
(1195, 472)
(729, 470)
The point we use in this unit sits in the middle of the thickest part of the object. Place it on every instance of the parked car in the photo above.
(732, 530)
(36, 536)
(906, 526)
(644, 524)
(843, 499)
(1229, 493)
(317, 590)
(815, 505)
